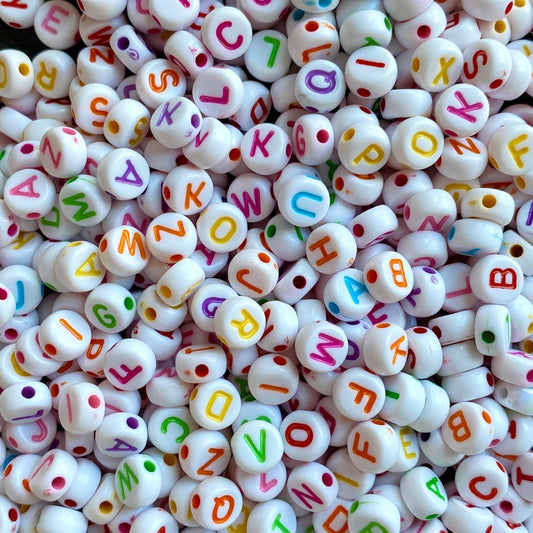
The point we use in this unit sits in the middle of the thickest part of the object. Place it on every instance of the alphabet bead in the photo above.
(227, 33)
(121, 434)
(216, 502)
(468, 428)
(110, 308)
(53, 475)
(205, 404)
(129, 364)
(200, 466)
(137, 480)
(305, 435)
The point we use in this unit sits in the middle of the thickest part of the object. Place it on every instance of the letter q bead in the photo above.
(216, 503)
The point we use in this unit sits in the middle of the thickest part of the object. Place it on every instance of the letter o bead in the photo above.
(305, 435)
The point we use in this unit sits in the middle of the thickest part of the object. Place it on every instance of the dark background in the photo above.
(26, 40)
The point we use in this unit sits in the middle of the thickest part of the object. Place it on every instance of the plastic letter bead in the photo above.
(492, 329)
(26, 402)
(188, 52)
(226, 32)
(156, 517)
(253, 273)
(265, 149)
(158, 81)
(257, 446)
(364, 389)
(216, 502)
(371, 72)
(200, 466)
(373, 446)
(496, 279)
(175, 122)
(215, 405)
(321, 346)
(53, 475)
(137, 480)
(121, 434)
(305, 435)
(64, 335)
(17, 73)
(267, 57)
(273, 379)
(129, 370)
(74, 414)
(312, 486)
(123, 173)
(423, 493)
(29, 194)
(110, 308)
(319, 86)
(468, 428)
(385, 349)
(417, 143)
(481, 480)
(214, 105)
(491, 73)
(364, 148)
(388, 277)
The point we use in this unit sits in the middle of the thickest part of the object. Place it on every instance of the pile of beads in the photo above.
(267, 266)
